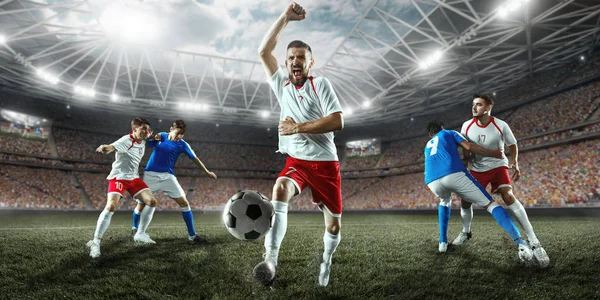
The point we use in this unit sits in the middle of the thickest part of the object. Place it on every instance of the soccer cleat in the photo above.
(324, 274)
(264, 273)
(525, 253)
(197, 239)
(133, 232)
(143, 238)
(540, 254)
(94, 249)
(462, 238)
(443, 247)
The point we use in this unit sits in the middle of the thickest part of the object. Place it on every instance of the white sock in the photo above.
(102, 225)
(275, 236)
(330, 241)
(145, 218)
(466, 216)
(521, 216)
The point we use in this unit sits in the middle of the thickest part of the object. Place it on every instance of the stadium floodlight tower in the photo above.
(126, 24)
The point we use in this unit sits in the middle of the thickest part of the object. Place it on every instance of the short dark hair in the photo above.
(299, 44)
(181, 125)
(487, 98)
(434, 127)
(137, 122)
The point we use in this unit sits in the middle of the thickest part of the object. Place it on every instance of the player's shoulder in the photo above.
(500, 122)
(468, 122)
(320, 81)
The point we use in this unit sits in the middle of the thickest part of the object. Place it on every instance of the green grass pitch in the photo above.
(381, 256)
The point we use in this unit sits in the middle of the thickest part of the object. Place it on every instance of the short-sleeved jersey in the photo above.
(166, 153)
(315, 100)
(128, 156)
(441, 155)
(494, 135)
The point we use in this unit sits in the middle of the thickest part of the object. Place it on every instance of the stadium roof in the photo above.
(405, 58)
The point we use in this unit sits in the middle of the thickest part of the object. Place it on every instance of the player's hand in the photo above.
(149, 134)
(212, 174)
(157, 137)
(295, 12)
(498, 153)
(102, 149)
(288, 126)
(516, 172)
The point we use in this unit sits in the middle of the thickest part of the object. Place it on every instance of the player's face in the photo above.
(298, 63)
(480, 108)
(175, 133)
(141, 132)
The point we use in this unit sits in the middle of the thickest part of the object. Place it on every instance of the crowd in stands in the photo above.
(21, 145)
(360, 162)
(26, 187)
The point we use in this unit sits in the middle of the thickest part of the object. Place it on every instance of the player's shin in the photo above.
(443, 219)
(135, 219)
(504, 220)
(188, 217)
(145, 218)
(275, 236)
(466, 217)
(521, 216)
(102, 225)
(330, 243)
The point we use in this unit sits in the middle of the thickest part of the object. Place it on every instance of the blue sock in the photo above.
(504, 220)
(136, 219)
(188, 217)
(444, 218)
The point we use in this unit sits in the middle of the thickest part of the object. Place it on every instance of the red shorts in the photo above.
(498, 177)
(322, 177)
(134, 187)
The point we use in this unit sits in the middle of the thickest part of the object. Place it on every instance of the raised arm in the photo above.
(497, 153)
(514, 161)
(294, 12)
(332, 122)
(199, 163)
(105, 149)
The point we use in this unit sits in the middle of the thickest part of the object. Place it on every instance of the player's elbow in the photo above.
(339, 121)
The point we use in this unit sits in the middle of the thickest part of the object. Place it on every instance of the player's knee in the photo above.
(464, 204)
(111, 206)
(333, 228)
(283, 190)
(445, 202)
(153, 202)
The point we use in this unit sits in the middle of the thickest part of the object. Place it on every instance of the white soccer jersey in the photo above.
(495, 135)
(128, 156)
(313, 101)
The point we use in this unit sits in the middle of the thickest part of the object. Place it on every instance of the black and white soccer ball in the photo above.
(248, 215)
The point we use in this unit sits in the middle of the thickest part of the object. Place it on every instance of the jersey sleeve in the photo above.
(463, 129)
(509, 137)
(122, 144)
(329, 100)
(188, 150)
(458, 138)
(277, 82)
(152, 142)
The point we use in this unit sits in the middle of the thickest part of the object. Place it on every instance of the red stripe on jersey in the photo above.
(313, 85)
(132, 141)
(287, 83)
(494, 122)
(471, 124)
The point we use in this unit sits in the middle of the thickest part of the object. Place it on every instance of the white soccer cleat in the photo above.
(324, 274)
(462, 238)
(94, 249)
(443, 247)
(525, 253)
(142, 237)
(540, 254)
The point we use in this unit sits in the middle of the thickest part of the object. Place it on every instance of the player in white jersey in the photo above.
(493, 133)
(310, 112)
(124, 176)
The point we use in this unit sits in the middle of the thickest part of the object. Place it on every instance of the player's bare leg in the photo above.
(466, 217)
(331, 239)
(103, 223)
(145, 216)
(520, 214)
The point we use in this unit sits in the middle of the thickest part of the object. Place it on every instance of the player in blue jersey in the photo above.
(445, 173)
(160, 176)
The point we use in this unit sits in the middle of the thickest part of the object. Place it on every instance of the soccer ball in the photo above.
(248, 215)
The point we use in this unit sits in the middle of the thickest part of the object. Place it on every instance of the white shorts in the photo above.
(165, 182)
(464, 185)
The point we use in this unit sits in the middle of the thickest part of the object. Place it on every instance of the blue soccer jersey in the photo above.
(441, 155)
(166, 153)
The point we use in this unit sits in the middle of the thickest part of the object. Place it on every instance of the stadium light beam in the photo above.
(265, 114)
(2, 39)
(582, 58)
(47, 76)
(84, 91)
(348, 111)
(114, 97)
(366, 104)
(431, 60)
